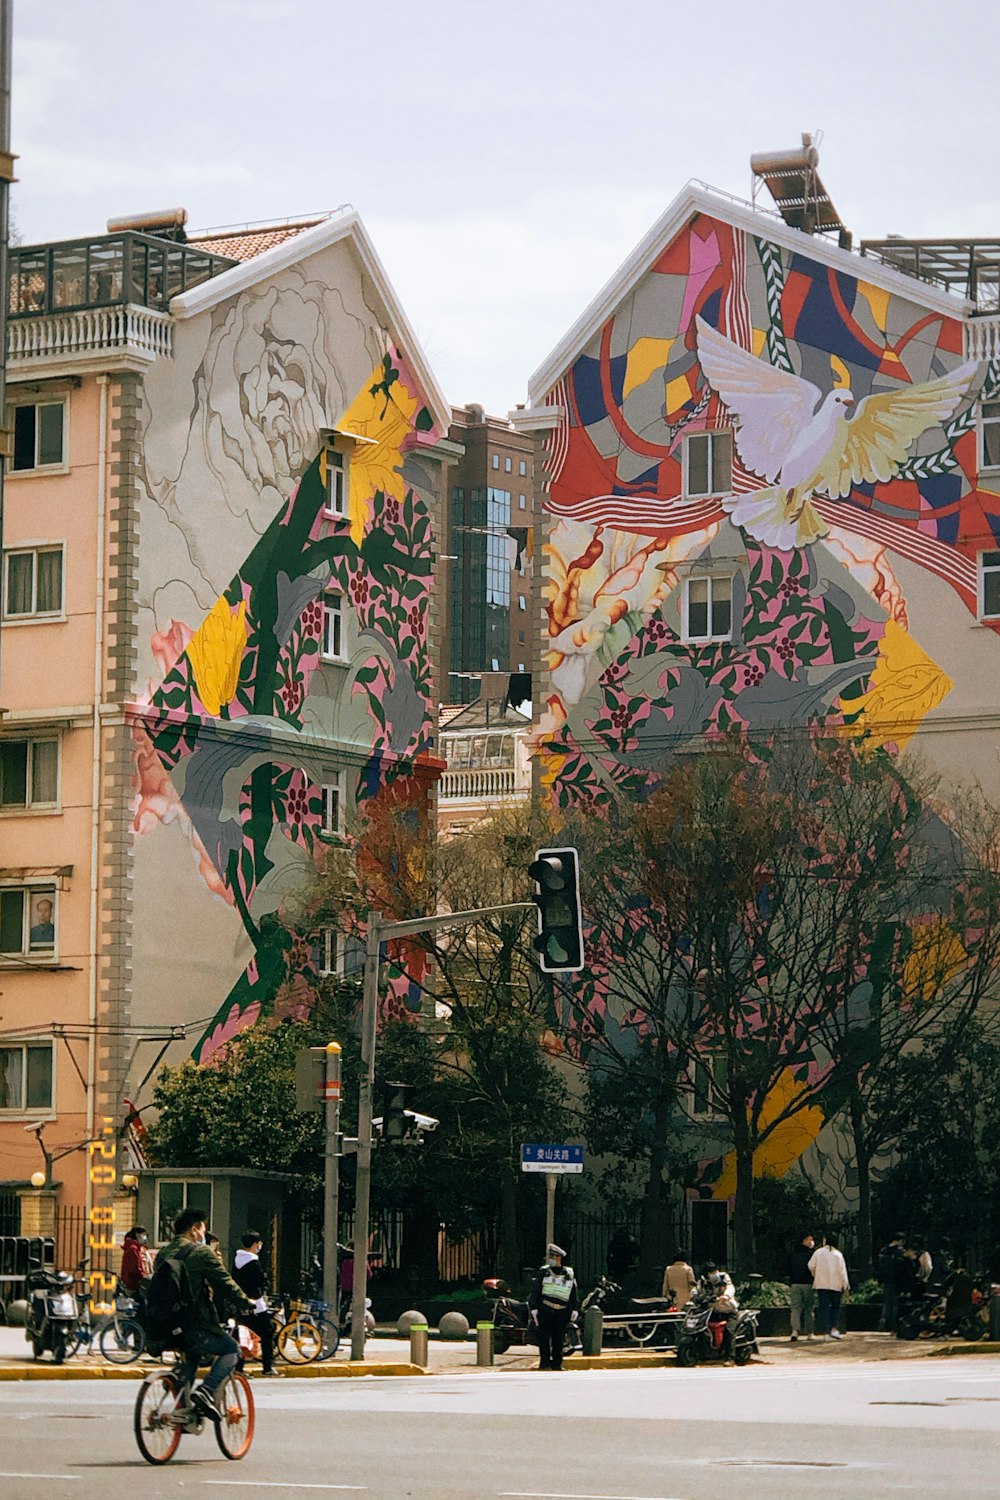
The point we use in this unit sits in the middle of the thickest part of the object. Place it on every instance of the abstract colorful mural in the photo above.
(253, 715)
(777, 577)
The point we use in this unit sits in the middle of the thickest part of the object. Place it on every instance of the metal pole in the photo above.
(362, 1197)
(331, 1178)
(6, 177)
(551, 1178)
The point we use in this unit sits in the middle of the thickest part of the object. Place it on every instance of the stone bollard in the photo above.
(418, 1345)
(484, 1343)
(593, 1330)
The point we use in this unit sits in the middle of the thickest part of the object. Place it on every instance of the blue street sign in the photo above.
(551, 1158)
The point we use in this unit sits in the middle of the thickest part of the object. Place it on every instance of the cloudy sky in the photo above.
(505, 157)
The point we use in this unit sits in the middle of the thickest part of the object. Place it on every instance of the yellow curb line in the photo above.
(131, 1372)
(978, 1348)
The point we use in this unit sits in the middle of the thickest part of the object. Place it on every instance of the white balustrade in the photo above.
(982, 338)
(61, 335)
(480, 784)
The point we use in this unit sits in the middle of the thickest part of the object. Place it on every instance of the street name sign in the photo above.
(536, 1158)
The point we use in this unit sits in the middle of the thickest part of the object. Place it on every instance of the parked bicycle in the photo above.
(300, 1337)
(163, 1414)
(118, 1334)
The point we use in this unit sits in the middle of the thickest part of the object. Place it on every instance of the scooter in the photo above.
(704, 1335)
(52, 1313)
(512, 1321)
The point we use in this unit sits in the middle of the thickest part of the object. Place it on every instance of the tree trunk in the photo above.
(508, 1249)
(743, 1215)
(862, 1164)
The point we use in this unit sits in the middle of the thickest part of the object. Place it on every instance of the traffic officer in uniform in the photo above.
(553, 1303)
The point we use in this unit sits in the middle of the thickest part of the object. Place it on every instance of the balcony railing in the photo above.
(112, 270)
(63, 335)
(982, 338)
(481, 784)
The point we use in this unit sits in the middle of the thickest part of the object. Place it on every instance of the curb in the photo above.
(983, 1347)
(618, 1361)
(131, 1372)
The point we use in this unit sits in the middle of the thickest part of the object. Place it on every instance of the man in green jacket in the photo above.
(213, 1291)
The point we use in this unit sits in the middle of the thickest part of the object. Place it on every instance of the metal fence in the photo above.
(10, 1211)
(72, 1232)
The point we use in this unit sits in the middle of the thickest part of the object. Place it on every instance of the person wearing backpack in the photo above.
(190, 1273)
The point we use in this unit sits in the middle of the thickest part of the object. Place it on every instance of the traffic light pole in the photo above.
(331, 1177)
(379, 932)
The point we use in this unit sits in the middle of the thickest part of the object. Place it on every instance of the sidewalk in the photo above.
(391, 1356)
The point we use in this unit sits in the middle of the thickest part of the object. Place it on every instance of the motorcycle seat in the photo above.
(651, 1304)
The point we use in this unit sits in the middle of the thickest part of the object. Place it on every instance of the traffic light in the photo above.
(397, 1119)
(556, 873)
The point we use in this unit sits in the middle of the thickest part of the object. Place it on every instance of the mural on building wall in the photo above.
(252, 715)
(846, 432)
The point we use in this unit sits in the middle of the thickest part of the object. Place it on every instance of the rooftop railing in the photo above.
(112, 270)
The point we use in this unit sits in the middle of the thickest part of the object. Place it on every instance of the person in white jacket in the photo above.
(830, 1279)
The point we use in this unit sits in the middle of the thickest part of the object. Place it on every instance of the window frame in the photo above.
(983, 571)
(33, 888)
(709, 435)
(8, 809)
(337, 788)
(337, 612)
(333, 954)
(711, 579)
(34, 615)
(37, 1111)
(59, 466)
(704, 1102)
(185, 1183)
(336, 486)
(984, 422)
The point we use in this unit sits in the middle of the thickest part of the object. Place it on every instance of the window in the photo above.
(27, 919)
(340, 953)
(522, 502)
(335, 471)
(989, 585)
(174, 1196)
(522, 603)
(333, 627)
(39, 435)
(496, 460)
(708, 1082)
(708, 609)
(508, 465)
(29, 773)
(989, 435)
(522, 469)
(26, 1076)
(333, 805)
(708, 463)
(33, 582)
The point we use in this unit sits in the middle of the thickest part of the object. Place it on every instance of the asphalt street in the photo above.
(923, 1429)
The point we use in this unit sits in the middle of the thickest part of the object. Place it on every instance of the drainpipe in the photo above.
(95, 788)
(6, 177)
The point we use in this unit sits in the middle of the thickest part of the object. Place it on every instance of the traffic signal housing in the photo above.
(556, 873)
(397, 1118)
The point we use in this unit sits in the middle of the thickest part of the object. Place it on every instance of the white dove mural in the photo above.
(805, 443)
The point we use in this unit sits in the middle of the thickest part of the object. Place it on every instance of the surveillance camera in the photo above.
(36, 1125)
(422, 1122)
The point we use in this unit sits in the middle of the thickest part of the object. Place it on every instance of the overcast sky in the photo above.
(505, 157)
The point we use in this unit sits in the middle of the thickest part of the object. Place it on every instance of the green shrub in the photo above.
(768, 1294)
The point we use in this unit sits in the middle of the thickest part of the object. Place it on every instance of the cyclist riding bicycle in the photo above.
(213, 1291)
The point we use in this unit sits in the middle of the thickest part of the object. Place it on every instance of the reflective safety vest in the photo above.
(557, 1285)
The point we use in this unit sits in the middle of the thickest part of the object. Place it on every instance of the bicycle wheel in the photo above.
(300, 1341)
(235, 1401)
(331, 1338)
(78, 1342)
(122, 1341)
(155, 1430)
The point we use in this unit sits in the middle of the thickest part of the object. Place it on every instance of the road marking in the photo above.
(281, 1484)
(559, 1495)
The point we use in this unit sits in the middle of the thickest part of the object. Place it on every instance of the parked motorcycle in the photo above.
(611, 1299)
(52, 1313)
(704, 1335)
(959, 1311)
(512, 1321)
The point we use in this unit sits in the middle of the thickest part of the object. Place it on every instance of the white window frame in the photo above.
(522, 468)
(989, 416)
(334, 793)
(336, 489)
(62, 464)
(333, 953)
(31, 804)
(987, 570)
(496, 460)
(36, 1111)
(711, 579)
(34, 615)
(704, 1103)
(333, 610)
(712, 436)
(33, 889)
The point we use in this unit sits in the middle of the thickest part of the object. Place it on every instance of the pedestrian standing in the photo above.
(801, 1292)
(829, 1273)
(888, 1274)
(679, 1280)
(248, 1273)
(137, 1259)
(553, 1303)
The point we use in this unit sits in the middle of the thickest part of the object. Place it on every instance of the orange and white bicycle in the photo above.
(163, 1414)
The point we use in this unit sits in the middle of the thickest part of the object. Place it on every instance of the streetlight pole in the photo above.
(331, 1177)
